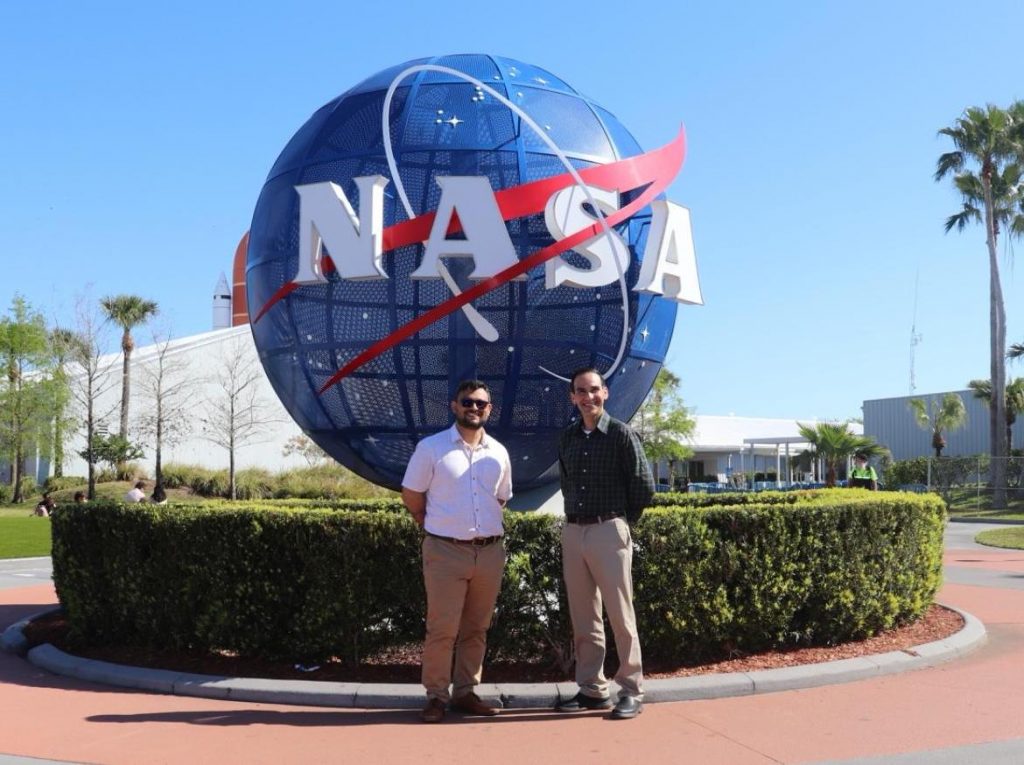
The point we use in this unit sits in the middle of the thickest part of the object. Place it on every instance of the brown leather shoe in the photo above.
(433, 712)
(471, 704)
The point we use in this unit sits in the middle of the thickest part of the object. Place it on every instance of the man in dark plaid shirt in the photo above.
(606, 484)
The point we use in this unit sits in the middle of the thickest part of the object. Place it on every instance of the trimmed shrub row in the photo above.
(328, 481)
(280, 582)
(698, 500)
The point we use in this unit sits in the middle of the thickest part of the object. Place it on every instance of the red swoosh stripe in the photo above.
(657, 168)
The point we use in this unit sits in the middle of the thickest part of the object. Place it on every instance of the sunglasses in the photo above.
(469, 403)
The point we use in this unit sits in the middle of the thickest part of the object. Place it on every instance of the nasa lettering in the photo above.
(465, 216)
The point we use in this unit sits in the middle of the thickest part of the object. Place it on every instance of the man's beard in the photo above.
(465, 422)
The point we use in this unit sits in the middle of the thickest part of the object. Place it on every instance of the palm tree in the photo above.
(834, 443)
(993, 140)
(127, 312)
(1013, 402)
(939, 417)
(1016, 351)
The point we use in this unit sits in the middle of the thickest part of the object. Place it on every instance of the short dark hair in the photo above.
(468, 386)
(79, 495)
(582, 371)
(140, 484)
(860, 456)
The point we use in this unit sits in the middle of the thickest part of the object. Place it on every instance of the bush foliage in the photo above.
(326, 481)
(713, 574)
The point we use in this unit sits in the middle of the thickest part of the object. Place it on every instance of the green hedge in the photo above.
(328, 480)
(798, 568)
(731, 499)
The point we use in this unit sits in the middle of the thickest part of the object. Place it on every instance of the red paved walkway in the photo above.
(973, 700)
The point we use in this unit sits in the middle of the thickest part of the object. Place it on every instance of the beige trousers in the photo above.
(597, 561)
(462, 583)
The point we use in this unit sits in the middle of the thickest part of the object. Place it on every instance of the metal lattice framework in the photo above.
(444, 125)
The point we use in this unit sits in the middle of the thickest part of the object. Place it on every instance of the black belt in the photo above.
(586, 520)
(475, 542)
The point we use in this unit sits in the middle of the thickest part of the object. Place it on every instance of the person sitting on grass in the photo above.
(45, 507)
(137, 494)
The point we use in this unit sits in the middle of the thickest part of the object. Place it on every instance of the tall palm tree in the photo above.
(992, 140)
(834, 443)
(1013, 403)
(127, 312)
(939, 417)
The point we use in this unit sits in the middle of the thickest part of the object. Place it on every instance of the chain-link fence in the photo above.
(964, 482)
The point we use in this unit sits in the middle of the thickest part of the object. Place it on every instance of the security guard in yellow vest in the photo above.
(863, 476)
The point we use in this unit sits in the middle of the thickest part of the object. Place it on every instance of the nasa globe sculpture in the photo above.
(458, 217)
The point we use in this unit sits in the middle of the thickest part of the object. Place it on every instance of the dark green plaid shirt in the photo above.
(605, 472)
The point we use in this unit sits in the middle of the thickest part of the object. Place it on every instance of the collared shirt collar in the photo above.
(602, 423)
(456, 436)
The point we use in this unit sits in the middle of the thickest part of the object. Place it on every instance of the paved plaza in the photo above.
(964, 711)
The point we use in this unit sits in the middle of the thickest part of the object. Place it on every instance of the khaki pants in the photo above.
(597, 560)
(462, 583)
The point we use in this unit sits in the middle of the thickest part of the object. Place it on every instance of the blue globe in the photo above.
(441, 125)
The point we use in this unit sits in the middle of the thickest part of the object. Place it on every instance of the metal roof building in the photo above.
(891, 422)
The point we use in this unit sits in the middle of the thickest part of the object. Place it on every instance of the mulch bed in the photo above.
(401, 665)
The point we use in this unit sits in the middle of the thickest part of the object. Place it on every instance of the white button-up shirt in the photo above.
(465, 486)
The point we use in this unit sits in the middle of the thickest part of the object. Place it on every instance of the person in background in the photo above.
(79, 497)
(863, 476)
(45, 507)
(137, 494)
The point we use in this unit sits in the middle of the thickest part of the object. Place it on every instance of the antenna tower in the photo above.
(915, 337)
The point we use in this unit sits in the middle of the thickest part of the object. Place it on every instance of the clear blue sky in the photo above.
(135, 138)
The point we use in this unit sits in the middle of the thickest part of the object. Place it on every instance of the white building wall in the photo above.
(198, 357)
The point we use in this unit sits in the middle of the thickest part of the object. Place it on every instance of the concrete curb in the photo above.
(510, 695)
(993, 521)
(13, 638)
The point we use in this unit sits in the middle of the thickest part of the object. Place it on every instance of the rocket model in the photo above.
(221, 304)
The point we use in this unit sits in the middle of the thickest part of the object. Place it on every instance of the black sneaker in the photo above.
(581, 703)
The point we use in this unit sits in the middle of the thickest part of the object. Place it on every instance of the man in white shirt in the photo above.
(137, 494)
(455, 487)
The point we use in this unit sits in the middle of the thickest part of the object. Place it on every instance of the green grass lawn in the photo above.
(1012, 537)
(22, 536)
(964, 503)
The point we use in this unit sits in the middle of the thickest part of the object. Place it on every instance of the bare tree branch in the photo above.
(90, 375)
(168, 390)
(236, 414)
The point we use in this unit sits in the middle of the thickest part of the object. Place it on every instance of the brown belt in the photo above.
(475, 542)
(586, 520)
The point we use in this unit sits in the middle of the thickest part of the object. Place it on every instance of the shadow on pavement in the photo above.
(11, 613)
(326, 717)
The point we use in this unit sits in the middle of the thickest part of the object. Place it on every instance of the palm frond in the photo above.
(982, 390)
(969, 214)
(950, 162)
